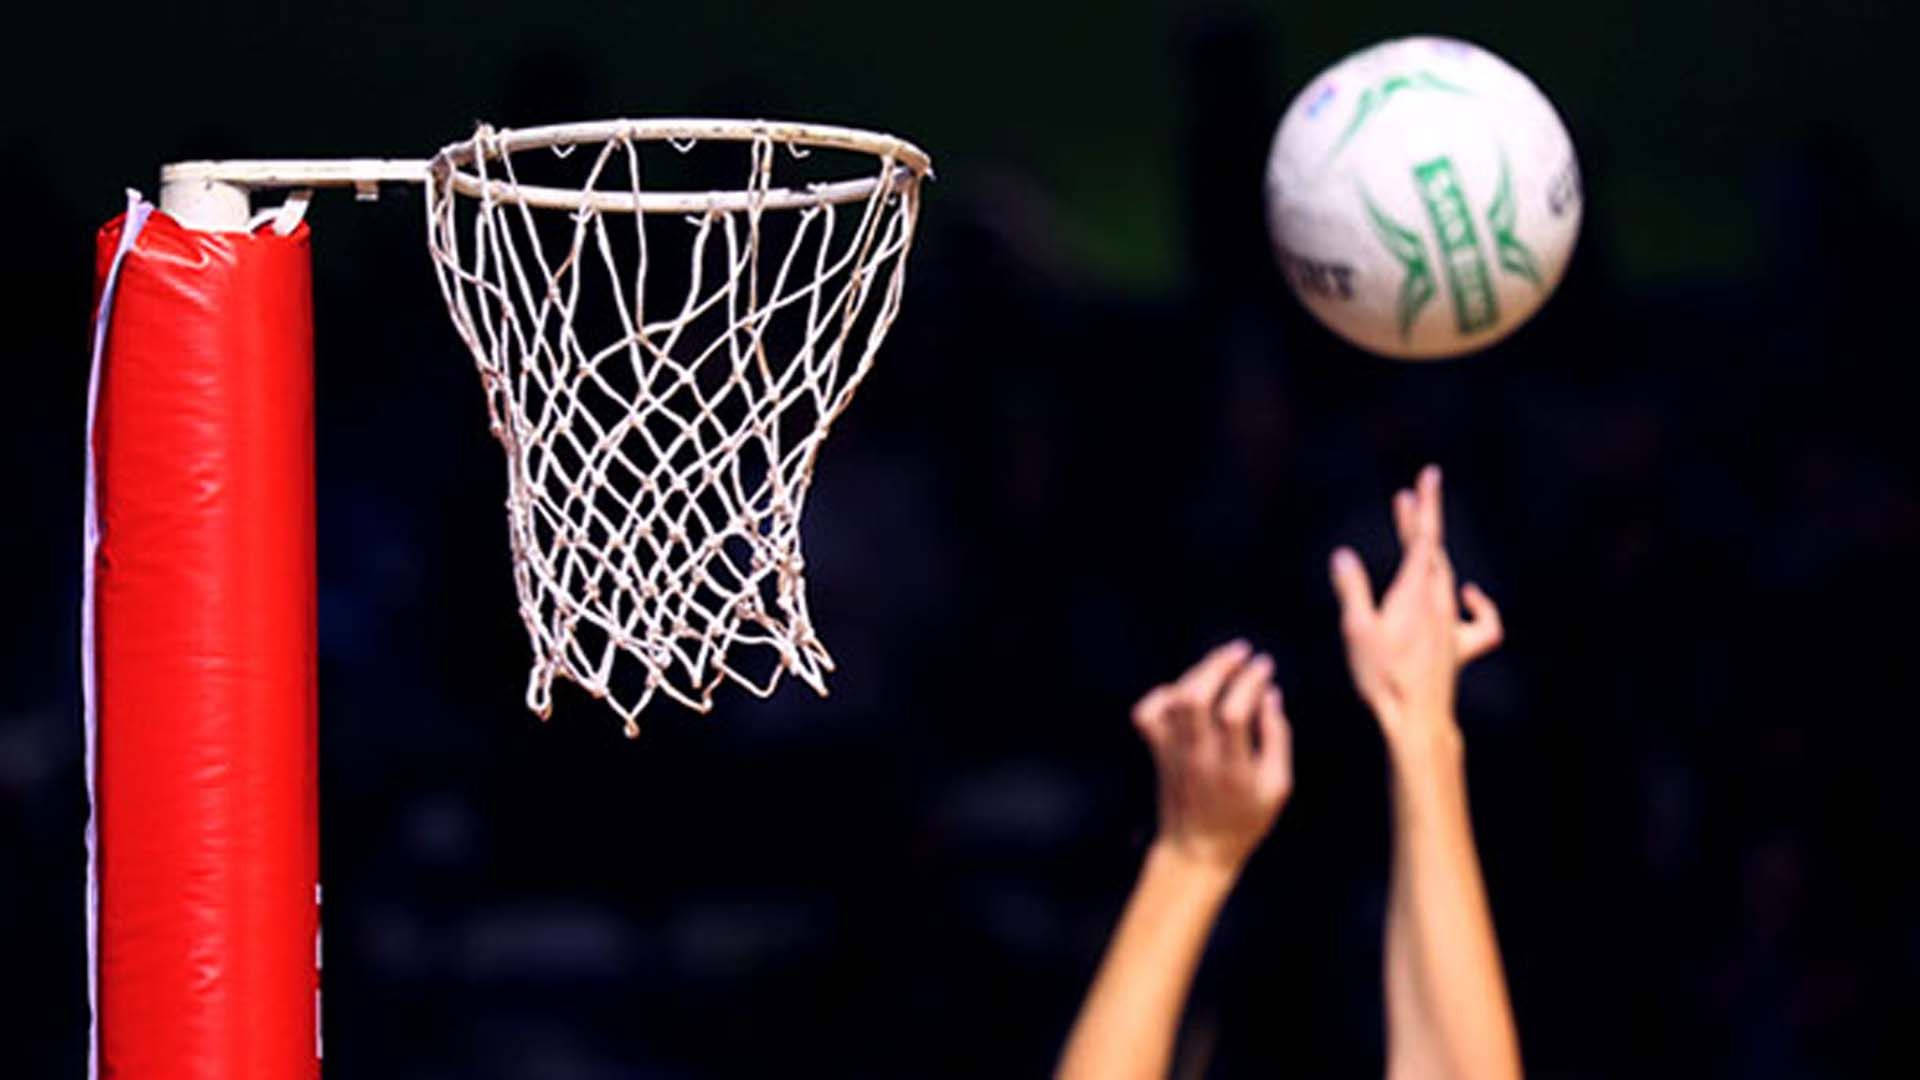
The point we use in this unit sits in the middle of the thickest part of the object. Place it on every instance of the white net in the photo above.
(661, 435)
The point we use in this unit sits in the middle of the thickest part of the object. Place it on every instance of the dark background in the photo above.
(1101, 438)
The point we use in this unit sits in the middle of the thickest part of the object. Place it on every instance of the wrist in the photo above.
(1424, 741)
(1207, 872)
(1428, 763)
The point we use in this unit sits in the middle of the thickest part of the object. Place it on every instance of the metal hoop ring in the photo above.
(910, 164)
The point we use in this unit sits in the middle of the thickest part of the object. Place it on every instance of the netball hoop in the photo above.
(667, 316)
(660, 436)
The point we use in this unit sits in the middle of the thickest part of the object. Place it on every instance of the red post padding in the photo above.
(206, 795)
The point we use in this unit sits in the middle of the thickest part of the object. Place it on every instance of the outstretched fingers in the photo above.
(1418, 518)
(1429, 520)
(1406, 518)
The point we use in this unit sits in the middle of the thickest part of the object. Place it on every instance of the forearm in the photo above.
(1447, 1008)
(1408, 1029)
(1127, 1026)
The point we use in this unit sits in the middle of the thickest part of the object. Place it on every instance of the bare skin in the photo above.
(1222, 755)
(1446, 998)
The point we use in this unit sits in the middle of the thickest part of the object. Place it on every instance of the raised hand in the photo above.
(1224, 760)
(1446, 997)
(1223, 755)
(1406, 652)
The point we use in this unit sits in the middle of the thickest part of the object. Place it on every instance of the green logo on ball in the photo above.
(1416, 287)
(1476, 306)
(1514, 256)
(1374, 98)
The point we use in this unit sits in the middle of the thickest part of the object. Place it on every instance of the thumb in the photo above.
(1354, 591)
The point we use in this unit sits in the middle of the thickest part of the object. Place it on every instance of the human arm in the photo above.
(1223, 770)
(1448, 1013)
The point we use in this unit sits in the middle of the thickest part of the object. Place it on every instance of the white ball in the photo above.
(1424, 198)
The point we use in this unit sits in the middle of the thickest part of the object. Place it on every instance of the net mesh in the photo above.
(661, 435)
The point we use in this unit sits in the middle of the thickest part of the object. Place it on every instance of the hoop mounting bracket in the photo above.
(217, 195)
